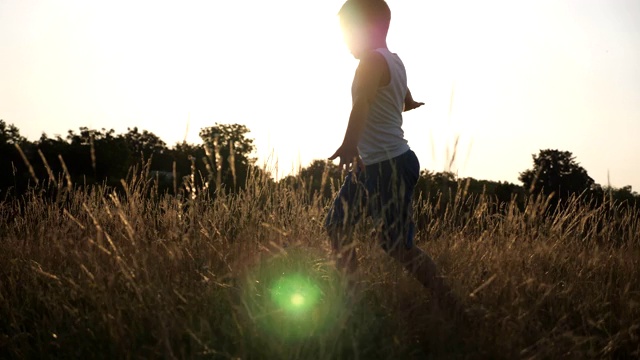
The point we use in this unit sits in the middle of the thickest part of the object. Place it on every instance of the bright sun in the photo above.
(223, 61)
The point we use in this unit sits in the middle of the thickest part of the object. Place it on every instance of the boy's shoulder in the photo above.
(373, 65)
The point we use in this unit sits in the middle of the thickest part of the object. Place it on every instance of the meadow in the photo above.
(86, 272)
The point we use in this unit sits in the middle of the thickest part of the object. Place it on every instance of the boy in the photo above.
(383, 170)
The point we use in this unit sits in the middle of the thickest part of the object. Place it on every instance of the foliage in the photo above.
(10, 134)
(624, 194)
(10, 160)
(102, 151)
(229, 152)
(556, 173)
(92, 156)
(319, 179)
(144, 145)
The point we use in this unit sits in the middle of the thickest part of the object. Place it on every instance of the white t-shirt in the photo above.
(382, 137)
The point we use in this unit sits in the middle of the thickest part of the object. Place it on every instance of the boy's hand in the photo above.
(349, 157)
(409, 103)
(412, 104)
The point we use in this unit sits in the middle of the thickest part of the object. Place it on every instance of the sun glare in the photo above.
(269, 66)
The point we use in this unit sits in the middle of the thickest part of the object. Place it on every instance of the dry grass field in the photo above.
(89, 273)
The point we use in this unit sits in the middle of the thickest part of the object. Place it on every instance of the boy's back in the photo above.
(382, 137)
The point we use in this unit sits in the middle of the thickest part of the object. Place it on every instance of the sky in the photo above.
(501, 79)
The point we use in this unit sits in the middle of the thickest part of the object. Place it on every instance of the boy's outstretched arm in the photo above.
(367, 80)
(409, 103)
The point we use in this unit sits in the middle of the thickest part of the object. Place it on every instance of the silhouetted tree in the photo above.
(229, 153)
(436, 187)
(624, 194)
(144, 145)
(314, 176)
(505, 191)
(12, 166)
(188, 159)
(556, 172)
(109, 161)
(10, 134)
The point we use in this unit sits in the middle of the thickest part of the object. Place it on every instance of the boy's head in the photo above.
(365, 24)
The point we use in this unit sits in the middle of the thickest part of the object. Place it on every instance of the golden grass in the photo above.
(96, 274)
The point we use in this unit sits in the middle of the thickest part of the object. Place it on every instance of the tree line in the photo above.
(92, 156)
(225, 159)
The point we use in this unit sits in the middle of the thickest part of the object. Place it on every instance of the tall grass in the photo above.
(96, 274)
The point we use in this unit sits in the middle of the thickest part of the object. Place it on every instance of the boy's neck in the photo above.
(379, 44)
(373, 46)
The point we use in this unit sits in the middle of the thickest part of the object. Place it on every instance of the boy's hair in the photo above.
(366, 12)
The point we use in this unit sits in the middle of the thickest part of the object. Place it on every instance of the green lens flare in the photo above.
(290, 297)
(297, 300)
(295, 294)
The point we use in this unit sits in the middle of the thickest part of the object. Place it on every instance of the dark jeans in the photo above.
(383, 191)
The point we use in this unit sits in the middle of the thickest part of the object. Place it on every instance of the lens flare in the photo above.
(297, 300)
(292, 296)
(295, 294)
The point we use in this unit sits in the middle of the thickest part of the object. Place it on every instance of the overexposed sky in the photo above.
(524, 75)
